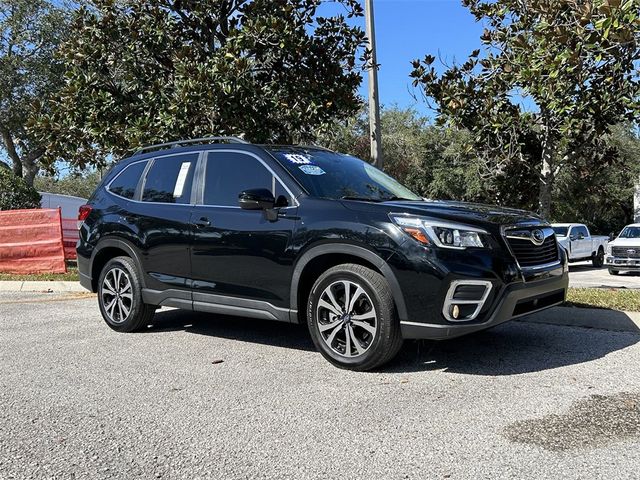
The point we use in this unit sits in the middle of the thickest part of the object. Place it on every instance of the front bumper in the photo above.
(517, 300)
(620, 263)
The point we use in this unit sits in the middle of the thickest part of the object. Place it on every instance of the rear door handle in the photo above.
(202, 222)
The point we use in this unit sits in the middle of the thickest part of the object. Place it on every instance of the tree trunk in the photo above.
(546, 175)
(10, 147)
(30, 164)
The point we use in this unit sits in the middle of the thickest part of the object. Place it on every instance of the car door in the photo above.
(580, 243)
(238, 254)
(161, 214)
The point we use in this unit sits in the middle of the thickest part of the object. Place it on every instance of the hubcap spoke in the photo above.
(333, 334)
(347, 344)
(355, 341)
(328, 306)
(323, 327)
(333, 300)
(347, 294)
(365, 325)
(354, 299)
(364, 316)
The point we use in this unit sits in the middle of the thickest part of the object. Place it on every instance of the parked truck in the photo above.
(623, 253)
(580, 244)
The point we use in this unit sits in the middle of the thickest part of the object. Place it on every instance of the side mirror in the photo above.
(256, 199)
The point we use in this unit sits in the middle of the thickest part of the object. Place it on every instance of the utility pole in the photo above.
(374, 101)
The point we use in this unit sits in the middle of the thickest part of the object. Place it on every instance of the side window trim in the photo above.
(274, 177)
(138, 190)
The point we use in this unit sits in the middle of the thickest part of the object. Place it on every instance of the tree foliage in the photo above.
(15, 193)
(140, 72)
(554, 77)
(30, 32)
(77, 184)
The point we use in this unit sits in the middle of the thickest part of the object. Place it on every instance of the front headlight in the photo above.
(440, 233)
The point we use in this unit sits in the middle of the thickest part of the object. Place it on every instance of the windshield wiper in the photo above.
(393, 199)
(362, 199)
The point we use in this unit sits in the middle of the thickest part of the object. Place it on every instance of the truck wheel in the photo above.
(598, 259)
(352, 318)
(613, 272)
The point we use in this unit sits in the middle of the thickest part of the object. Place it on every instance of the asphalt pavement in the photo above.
(200, 396)
(583, 275)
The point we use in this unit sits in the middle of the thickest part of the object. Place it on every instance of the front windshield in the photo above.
(561, 231)
(332, 175)
(630, 232)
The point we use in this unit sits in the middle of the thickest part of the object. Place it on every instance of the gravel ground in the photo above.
(520, 401)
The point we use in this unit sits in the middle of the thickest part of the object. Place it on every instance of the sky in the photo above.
(409, 29)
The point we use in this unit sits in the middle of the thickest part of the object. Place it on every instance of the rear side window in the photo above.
(126, 182)
(229, 173)
(170, 179)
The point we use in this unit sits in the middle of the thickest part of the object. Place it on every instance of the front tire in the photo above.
(120, 296)
(598, 259)
(352, 318)
(613, 272)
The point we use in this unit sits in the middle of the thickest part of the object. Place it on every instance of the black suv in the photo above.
(307, 235)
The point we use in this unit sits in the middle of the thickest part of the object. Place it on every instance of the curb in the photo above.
(53, 286)
(598, 318)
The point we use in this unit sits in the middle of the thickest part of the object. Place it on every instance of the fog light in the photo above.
(455, 312)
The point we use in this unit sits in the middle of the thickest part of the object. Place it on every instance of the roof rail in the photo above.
(180, 143)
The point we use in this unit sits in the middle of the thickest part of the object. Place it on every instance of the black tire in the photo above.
(382, 345)
(613, 272)
(139, 314)
(598, 259)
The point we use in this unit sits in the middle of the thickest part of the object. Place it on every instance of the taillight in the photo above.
(83, 213)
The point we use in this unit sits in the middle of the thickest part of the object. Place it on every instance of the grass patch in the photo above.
(70, 276)
(610, 298)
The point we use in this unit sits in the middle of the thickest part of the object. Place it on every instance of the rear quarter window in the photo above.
(126, 181)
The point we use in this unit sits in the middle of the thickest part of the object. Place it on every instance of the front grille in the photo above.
(530, 255)
(626, 252)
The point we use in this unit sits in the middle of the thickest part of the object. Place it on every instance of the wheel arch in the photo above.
(322, 257)
(106, 250)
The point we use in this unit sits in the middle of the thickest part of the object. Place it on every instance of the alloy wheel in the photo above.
(346, 318)
(117, 295)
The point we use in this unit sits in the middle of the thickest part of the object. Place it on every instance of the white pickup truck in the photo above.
(579, 243)
(623, 253)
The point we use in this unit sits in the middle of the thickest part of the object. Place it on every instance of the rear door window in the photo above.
(126, 182)
(170, 179)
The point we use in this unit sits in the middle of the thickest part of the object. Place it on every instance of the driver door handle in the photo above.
(202, 222)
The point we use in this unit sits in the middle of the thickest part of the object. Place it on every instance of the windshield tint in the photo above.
(333, 175)
(630, 232)
(561, 231)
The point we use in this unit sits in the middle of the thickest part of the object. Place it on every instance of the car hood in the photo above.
(469, 213)
(625, 242)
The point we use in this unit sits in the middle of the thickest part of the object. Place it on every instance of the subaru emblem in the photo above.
(537, 237)
(631, 251)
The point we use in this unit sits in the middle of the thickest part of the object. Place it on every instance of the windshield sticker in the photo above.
(312, 169)
(298, 158)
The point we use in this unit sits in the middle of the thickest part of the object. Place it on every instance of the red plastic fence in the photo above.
(31, 241)
(70, 236)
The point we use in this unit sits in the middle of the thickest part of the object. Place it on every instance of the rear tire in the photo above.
(352, 318)
(120, 296)
(598, 259)
(613, 272)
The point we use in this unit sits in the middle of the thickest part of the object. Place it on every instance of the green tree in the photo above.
(140, 72)
(30, 32)
(554, 77)
(600, 193)
(15, 193)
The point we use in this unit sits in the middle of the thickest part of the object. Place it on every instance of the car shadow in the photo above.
(513, 348)
(251, 330)
(583, 268)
